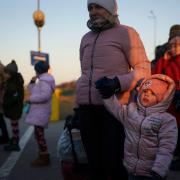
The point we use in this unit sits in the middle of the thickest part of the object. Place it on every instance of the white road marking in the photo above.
(8, 165)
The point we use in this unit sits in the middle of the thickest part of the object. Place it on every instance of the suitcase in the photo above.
(72, 171)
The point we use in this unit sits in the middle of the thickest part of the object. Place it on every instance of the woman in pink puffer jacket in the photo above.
(113, 50)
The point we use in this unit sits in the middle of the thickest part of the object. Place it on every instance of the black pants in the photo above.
(177, 150)
(3, 128)
(103, 139)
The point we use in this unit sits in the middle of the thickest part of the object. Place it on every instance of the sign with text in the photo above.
(39, 56)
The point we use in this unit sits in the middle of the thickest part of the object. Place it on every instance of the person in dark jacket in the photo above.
(160, 50)
(13, 102)
(4, 138)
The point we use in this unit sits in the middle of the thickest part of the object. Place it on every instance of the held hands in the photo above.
(107, 87)
(33, 79)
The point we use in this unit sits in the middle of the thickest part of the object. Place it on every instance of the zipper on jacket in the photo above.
(139, 141)
(91, 68)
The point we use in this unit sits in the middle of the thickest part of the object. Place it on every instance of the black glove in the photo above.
(107, 87)
(72, 120)
(33, 80)
(155, 176)
(177, 100)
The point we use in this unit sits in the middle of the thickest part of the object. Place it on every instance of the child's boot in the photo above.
(12, 146)
(4, 140)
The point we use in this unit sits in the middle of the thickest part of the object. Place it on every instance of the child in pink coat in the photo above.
(41, 89)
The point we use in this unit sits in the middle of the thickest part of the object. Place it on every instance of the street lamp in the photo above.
(39, 20)
(153, 17)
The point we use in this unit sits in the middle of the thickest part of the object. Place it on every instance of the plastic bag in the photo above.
(26, 108)
(64, 146)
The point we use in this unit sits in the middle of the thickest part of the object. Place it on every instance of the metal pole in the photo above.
(39, 17)
(39, 39)
(154, 26)
(154, 18)
(39, 29)
(38, 4)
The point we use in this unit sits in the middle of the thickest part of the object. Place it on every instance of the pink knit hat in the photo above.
(157, 86)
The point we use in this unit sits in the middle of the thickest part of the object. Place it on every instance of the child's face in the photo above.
(148, 98)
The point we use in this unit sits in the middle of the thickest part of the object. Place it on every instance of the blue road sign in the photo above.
(39, 56)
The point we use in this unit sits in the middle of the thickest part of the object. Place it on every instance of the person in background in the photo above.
(4, 138)
(171, 67)
(13, 102)
(162, 51)
(159, 53)
(40, 95)
(151, 132)
(116, 51)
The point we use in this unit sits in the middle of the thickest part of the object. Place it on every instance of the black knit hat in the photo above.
(11, 67)
(41, 67)
(174, 31)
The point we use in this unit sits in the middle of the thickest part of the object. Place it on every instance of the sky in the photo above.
(65, 24)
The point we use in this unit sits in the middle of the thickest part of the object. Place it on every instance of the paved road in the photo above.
(22, 170)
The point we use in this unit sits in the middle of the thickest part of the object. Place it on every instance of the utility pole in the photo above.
(153, 17)
(39, 20)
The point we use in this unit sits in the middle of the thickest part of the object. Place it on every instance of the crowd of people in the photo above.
(12, 101)
(128, 107)
(12, 97)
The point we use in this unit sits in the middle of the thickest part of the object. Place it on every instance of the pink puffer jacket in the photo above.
(117, 51)
(151, 133)
(40, 100)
